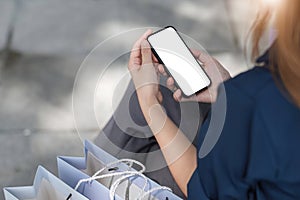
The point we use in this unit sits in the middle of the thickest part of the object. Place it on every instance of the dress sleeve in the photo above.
(219, 174)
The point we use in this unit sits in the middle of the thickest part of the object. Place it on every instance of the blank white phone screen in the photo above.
(179, 61)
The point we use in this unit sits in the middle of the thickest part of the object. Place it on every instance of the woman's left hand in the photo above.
(144, 72)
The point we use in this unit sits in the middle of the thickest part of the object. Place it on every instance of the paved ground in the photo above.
(51, 39)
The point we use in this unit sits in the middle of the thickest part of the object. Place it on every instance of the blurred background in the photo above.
(43, 43)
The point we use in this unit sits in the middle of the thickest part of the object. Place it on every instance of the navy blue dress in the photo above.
(258, 153)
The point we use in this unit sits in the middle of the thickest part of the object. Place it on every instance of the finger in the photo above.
(192, 98)
(170, 83)
(154, 59)
(205, 97)
(136, 49)
(204, 58)
(137, 44)
(196, 53)
(161, 70)
(177, 95)
(146, 52)
(200, 55)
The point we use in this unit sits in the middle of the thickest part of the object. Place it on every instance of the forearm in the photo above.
(178, 151)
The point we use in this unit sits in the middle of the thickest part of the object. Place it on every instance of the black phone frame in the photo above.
(166, 69)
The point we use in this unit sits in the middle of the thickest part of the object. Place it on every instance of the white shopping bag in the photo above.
(93, 165)
(67, 167)
(70, 170)
(47, 192)
(125, 189)
(46, 186)
(106, 158)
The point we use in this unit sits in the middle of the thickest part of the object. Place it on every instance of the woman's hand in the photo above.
(179, 153)
(216, 72)
(144, 71)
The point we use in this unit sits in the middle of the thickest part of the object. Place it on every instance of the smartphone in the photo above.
(171, 51)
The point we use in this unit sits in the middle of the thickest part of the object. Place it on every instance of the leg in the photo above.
(136, 137)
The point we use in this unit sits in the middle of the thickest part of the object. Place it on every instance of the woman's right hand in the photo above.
(216, 72)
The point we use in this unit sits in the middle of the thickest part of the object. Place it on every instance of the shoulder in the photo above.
(270, 109)
(250, 84)
(232, 113)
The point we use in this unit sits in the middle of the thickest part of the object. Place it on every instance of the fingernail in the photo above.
(147, 32)
(175, 97)
(144, 43)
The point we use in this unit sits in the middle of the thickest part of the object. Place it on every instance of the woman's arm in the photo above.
(179, 153)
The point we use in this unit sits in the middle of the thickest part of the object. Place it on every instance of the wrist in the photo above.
(154, 114)
(147, 102)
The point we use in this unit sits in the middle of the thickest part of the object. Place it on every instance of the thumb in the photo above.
(146, 52)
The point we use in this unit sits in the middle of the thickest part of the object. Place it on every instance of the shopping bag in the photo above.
(80, 164)
(106, 158)
(47, 192)
(94, 165)
(46, 186)
(70, 171)
(126, 188)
